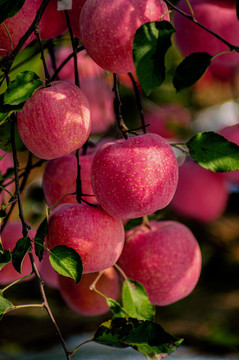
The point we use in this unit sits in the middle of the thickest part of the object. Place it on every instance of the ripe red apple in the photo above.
(201, 194)
(107, 29)
(9, 236)
(74, 15)
(231, 133)
(135, 177)
(92, 82)
(166, 259)
(94, 234)
(168, 120)
(52, 24)
(85, 301)
(55, 120)
(59, 178)
(219, 16)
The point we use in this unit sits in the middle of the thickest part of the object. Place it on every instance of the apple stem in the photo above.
(138, 101)
(73, 43)
(117, 108)
(47, 75)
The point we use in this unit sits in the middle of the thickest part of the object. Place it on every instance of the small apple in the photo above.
(135, 177)
(94, 234)
(59, 178)
(85, 301)
(201, 194)
(107, 29)
(55, 120)
(166, 259)
(11, 233)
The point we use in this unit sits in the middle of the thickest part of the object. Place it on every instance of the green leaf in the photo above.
(5, 257)
(144, 336)
(67, 262)
(40, 238)
(19, 252)
(116, 308)
(5, 137)
(7, 110)
(5, 305)
(151, 42)
(22, 88)
(3, 214)
(136, 302)
(213, 152)
(9, 8)
(190, 70)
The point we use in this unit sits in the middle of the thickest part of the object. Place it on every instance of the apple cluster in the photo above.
(121, 179)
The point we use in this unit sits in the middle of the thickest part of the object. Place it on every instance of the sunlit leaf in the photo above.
(66, 261)
(213, 152)
(5, 305)
(144, 336)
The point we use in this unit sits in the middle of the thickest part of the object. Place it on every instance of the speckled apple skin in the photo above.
(134, 177)
(85, 301)
(94, 234)
(55, 121)
(201, 194)
(9, 236)
(165, 259)
(217, 15)
(59, 178)
(231, 133)
(107, 29)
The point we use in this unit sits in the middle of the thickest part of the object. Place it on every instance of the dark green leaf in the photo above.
(136, 302)
(2, 214)
(116, 308)
(9, 8)
(7, 110)
(40, 238)
(5, 305)
(5, 137)
(190, 70)
(21, 249)
(237, 8)
(5, 257)
(22, 88)
(213, 152)
(144, 336)
(151, 42)
(66, 261)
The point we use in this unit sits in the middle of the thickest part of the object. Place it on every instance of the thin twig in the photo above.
(138, 101)
(117, 108)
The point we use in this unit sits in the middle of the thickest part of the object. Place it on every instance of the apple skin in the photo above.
(94, 234)
(165, 259)
(55, 121)
(85, 301)
(92, 82)
(74, 15)
(201, 194)
(231, 133)
(59, 178)
(47, 273)
(166, 119)
(53, 22)
(107, 29)
(5, 163)
(135, 177)
(9, 236)
(217, 15)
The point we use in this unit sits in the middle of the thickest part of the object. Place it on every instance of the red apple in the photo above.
(9, 236)
(59, 178)
(85, 301)
(217, 15)
(55, 120)
(94, 234)
(168, 120)
(74, 15)
(107, 29)
(201, 194)
(53, 22)
(47, 273)
(135, 177)
(166, 259)
(231, 133)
